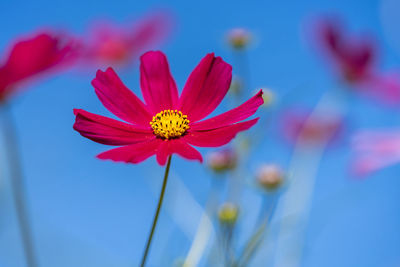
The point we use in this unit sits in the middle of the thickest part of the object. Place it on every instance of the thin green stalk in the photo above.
(17, 187)
(160, 201)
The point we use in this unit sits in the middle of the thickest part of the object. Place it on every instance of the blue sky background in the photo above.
(87, 212)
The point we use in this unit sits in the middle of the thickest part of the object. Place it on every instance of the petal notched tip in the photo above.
(152, 53)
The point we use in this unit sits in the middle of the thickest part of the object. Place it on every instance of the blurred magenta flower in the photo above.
(165, 124)
(116, 45)
(298, 126)
(353, 58)
(33, 56)
(375, 150)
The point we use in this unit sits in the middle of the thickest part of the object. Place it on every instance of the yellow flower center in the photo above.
(169, 124)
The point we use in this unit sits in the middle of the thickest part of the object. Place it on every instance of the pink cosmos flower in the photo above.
(299, 126)
(166, 123)
(375, 150)
(353, 58)
(116, 45)
(31, 56)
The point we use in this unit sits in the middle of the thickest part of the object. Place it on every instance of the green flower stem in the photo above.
(160, 201)
(17, 186)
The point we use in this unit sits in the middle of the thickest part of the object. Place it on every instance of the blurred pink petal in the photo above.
(298, 126)
(118, 45)
(353, 58)
(32, 56)
(385, 87)
(375, 150)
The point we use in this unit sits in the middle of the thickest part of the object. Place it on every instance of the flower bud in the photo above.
(270, 176)
(228, 213)
(268, 97)
(239, 38)
(222, 160)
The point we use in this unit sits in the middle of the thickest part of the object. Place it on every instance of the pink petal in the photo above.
(33, 56)
(108, 131)
(217, 137)
(205, 88)
(177, 146)
(134, 153)
(384, 87)
(366, 165)
(240, 113)
(149, 31)
(158, 87)
(119, 100)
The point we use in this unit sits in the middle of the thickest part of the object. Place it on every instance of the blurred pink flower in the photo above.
(32, 56)
(298, 126)
(375, 150)
(166, 123)
(110, 44)
(353, 58)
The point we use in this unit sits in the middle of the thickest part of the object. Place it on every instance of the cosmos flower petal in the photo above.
(205, 88)
(35, 55)
(119, 100)
(158, 87)
(134, 153)
(107, 43)
(176, 146)
(217, 137)
(353, 58)
(150, 31)
(240, 113)
(108, 131)
(384, 87)
(369, 164)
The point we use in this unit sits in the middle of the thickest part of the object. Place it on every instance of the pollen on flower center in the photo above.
(169, 124)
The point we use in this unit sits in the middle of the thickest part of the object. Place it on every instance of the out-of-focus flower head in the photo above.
(270, 176)
(168, 123)
(228, 213)
(119, 45)
(299, 126)
(374, 150)
(354, 58)
(222, 160)
(32, 56)
(239, 38)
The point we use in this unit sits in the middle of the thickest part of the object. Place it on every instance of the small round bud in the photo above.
(239, 38)
(222, 160)
(268, 97)
(270, 176)
(228, 213)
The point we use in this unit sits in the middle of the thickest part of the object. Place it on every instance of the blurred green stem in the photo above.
(160, 201)
(17, 186)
